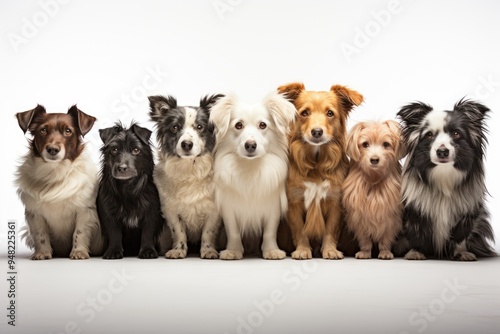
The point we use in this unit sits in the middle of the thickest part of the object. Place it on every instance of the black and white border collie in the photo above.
(184, 174)
(444, 182)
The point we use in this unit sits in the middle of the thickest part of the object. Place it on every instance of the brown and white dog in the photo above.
(57, 185)
(318, 166)
(372, 189)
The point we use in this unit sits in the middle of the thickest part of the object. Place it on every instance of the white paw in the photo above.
(465, 256)
(230, 254)
(302, 254)
(274, 254)
(176, 254)
(385, 255)
(209, 253)
(79, 255)
(332, 254)
(414, 255)
(363, 255)
(41, 256)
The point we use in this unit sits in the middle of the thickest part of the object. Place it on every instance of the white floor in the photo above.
(254, 296)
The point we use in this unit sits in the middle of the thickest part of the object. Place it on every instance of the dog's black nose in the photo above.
(250, 146)
(187, 145)
(317, 132)
(122, 168)
(374, 161)
(52, 150)
(442, 153)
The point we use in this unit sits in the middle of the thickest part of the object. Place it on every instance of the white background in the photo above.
(107, 56)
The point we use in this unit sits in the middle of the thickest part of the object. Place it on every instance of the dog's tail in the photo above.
(314, 226)
(477, 242)
(25, 234)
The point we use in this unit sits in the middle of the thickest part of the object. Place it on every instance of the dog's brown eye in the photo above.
(136, 151)
(199, 127)
(43, 131)
(304, 113)
(68, 132)
(457, 135)
(329, 113)
(174, 129)
(429, 135)
(386, 144)
(238, 126)
(365, 144)
(114, 151)
(262, 125)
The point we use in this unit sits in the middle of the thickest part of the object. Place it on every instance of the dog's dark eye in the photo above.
(365, 144)
(386, 144)
(68, 132)
(304, 113)
(262, 125)
(199, 127)
(457, 135)
(174, 129)
(136, 151)
(238, 126)
(43, 131)
(329, 113)
(429, 135)
(114, 151)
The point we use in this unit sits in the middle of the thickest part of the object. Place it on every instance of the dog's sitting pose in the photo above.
(318, 166)
(371, 193)
(57, 185)
(444, 182)
(250, 170)
(128, 202)
(184, 174)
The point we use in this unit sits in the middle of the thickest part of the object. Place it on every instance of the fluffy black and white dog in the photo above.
(128, 203)
(184, 174)
(444, 183)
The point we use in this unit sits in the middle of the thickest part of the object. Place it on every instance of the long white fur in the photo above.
(250, 193)
(59, 198)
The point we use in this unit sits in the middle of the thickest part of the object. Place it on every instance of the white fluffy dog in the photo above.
(250, 165)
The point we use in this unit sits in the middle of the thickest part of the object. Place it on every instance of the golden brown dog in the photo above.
(372, 188)
(318, 166)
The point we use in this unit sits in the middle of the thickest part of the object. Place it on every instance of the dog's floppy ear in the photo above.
(281, 110)
(26, 117)
(220, 114)
(292, 91)
(143, 133)
(399, 146)
(348, 97)
(352, 149)
(159, 105)
(411, 116)
(108, 133)
(83, 121)
(208, 101)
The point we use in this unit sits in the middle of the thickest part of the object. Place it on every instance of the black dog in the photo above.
(128, 203)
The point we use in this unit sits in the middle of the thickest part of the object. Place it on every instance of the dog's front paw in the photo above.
(176, 253)
(230, 254)
(79, 255)
(465, 256)
(385, 255)
(274, 254)
(113, 254)
(302, 254)
(362, 255)
(332, 254)
(41, 256)
(209, 253)
(148, 253)
(414, 255)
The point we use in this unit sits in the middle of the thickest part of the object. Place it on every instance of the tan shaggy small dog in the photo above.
(372, 188)
(318, 166)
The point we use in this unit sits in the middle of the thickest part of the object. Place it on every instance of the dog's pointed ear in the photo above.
(108, 133)
(411, 116)
(399, 145)
(208, 101)
(143, 133)
(281, 110)
(352, 149)
(292, 91)
(348, 97)
(159, 105)
(26, 117)
(220, 114)
(83, 121)
(476, 113)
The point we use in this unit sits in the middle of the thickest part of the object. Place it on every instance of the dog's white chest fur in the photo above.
(315, 192)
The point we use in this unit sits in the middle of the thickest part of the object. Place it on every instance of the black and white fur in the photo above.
(128, 203)
(184, 174)
(444, 183)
